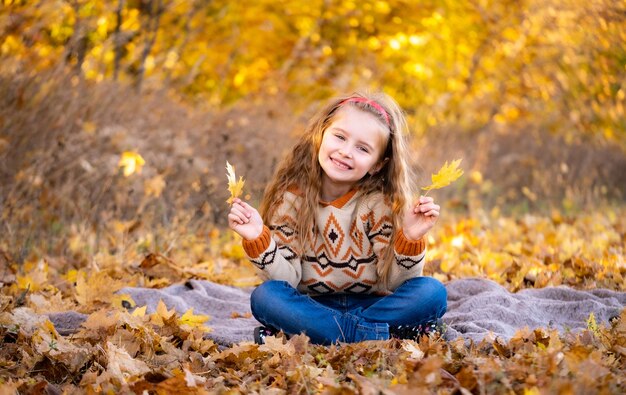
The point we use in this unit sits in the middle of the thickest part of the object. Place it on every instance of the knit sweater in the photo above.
(341, 257)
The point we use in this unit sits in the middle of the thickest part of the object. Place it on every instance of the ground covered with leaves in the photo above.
(117, 350)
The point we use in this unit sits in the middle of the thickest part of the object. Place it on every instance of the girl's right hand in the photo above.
(245, 220)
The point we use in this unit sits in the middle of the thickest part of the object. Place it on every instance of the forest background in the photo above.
(117, 119)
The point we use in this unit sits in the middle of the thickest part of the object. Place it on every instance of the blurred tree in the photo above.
(559, 63)
(153, 10)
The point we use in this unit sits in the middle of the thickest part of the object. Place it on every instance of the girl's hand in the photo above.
(420, 218)
(245, 220)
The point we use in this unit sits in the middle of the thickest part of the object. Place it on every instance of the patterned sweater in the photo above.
(342, 255)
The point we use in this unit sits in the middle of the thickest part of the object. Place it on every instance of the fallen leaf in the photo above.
(416, 353)
(194, 321)
(131, 162)
(235, 314)
(162, 315)
(121, 366)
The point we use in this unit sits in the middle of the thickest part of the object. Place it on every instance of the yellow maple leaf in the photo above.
(445, 176)
(162, 315)
(234, 187)
(140, 311)
(131, 162)
(194, 320)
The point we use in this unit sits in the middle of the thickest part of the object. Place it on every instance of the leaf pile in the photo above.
(585, 251)
(164, 352)
(119, 351)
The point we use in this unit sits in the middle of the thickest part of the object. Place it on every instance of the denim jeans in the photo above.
(349, 318)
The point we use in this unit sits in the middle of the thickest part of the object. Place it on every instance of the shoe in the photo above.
(261, 332)
(414, 332)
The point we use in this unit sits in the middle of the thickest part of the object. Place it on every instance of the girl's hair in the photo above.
(301, 168)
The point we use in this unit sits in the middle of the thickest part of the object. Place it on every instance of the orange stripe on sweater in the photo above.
(323, 273)
(352, 274)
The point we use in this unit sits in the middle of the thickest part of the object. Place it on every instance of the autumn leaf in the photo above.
(140, 311)
(236, 314)
(121, 366)
(97, 287)
(162, 314)
(413, 349)
(592, 324)
(234, 187)
(131, 162)
(445, 176)
(188, 318)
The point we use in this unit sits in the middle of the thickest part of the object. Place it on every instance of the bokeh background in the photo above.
(117, 117)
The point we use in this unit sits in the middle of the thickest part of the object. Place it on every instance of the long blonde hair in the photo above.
(301, 168)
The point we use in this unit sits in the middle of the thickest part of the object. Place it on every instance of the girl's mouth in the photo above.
(340, 164)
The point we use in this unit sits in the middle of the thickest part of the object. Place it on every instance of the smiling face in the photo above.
(351, 147)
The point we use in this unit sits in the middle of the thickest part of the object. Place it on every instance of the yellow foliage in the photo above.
(35, 277)
(92, 288)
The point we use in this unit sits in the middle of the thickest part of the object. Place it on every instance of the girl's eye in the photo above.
(340, 137)
(363, 149)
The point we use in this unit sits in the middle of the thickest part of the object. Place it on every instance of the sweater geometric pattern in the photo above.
(344, 248)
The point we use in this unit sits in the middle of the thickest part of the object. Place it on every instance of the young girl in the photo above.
(339, 235)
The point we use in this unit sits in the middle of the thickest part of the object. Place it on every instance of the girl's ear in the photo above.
(376, 168)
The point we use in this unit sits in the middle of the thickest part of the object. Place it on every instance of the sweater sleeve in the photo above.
(274, 250)
(409, 254)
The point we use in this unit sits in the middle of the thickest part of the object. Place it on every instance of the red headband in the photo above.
(372, 103)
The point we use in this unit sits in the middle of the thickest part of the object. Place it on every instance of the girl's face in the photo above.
(351, 147)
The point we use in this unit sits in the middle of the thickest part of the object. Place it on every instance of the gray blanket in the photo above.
(476, 307)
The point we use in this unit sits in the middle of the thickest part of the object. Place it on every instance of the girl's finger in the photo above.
(419, 210)
(432, 213)
(239, 214)
(248, 207)
(426, 199)
(241, 207)
(428, 207)
(432, 206)
(234, 220)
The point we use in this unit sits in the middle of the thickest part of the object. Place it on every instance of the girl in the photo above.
(339, 236)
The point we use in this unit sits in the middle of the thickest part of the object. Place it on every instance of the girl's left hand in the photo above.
(419, 218)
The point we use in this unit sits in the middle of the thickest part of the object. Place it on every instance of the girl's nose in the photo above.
(345, 152)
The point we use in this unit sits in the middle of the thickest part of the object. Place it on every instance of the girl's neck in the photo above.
(333, 191)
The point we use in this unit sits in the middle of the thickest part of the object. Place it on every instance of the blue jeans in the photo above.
(349, 318)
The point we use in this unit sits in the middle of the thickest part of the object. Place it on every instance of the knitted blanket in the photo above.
(476, 307)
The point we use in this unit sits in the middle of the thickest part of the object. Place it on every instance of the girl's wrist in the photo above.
(412, 237)
(253, 237)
